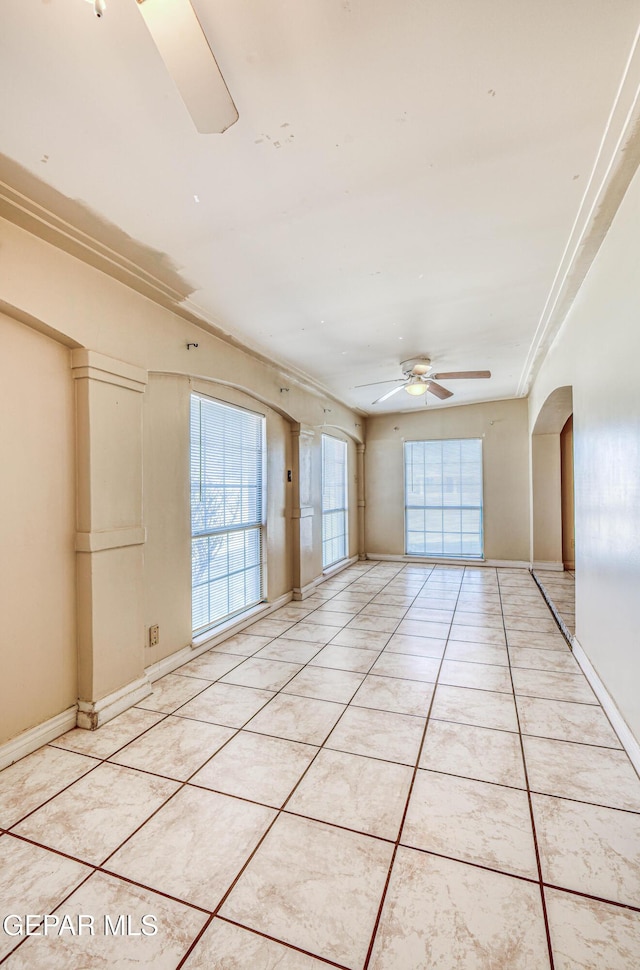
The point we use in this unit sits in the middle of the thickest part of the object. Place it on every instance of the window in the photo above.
(334, 500)
(443, 498)
(227, 455)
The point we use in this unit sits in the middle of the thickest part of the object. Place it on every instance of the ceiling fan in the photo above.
(184, 48)
(418, 380)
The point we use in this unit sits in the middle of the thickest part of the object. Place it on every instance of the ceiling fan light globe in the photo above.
(416, 389)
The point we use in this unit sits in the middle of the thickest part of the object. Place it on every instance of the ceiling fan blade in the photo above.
(462, 375)
(185, 50)
(439, 390)
(389, 394)
(396, 380)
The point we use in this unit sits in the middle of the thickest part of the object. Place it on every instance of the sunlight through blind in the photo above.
(443, 498)
(227, 456)
(334, 500)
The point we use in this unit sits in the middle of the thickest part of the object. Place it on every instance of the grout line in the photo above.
(533, 826)
(402, 820)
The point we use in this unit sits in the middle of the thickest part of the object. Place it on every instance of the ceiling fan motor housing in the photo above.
(416, 367)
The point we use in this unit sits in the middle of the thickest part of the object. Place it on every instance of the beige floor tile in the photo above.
(194, 848)
(543, 641)
(289, 651)
(566, 721)
(363, 639)
(406, 666)
(477, 634)
(481, 707)
(325, 684)
(304, 719)
(431, 591)
(528, 623)
(261, 673)
(483, 653)
(589, 935)
(603, 776)
(382, 609)
(394, 694)
(226, 704)
(102, 895)
(472, 821)
(174, 748)
(269, 627)
(231, 947)
(378, 734)
(309, 633)
(257, 767)
(444, 914)
(459, 673)
(244, 644)
(293, 611)
(324, 899)
(357, 793)
(345, 610)
(32, 780)
(589, 849)
(416, 646)
(424, 628)
(373, 624)
(474, 752)
(210, 665)
(394, 599)
(111, 736)
(538, 659)
(430, 616)
(33, 880)
(171, 692)
(482, 621)
(553, 685)
(328, 618)
(478, 603)
(90, 819)
(339, 657)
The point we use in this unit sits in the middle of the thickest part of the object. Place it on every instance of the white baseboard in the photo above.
(627, 738)
(556, 567)
(93, 714)
(301, 592)
(431, 561)
(35, 737)
(208, 640)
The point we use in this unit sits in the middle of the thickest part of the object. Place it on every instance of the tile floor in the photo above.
(405, 771)
(560, 591)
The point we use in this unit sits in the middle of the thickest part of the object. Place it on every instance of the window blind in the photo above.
(227, 458)
(443, 498)
(334, 500)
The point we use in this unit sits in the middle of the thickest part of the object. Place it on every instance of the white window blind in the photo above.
(227, 458)
(443, 498)
(334, 500)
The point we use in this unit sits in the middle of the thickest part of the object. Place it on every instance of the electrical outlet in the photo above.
(154, 635)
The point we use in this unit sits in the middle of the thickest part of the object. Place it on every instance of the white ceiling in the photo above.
(403, 178)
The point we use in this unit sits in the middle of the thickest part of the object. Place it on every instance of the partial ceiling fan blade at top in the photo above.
(396, 380)
(185, 50)
(456, 375)
(389, 394)
(439, 390)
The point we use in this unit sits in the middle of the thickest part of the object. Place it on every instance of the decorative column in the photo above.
(305, 554)
(110, 536)
(361, 501)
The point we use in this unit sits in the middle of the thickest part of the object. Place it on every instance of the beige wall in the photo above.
(132, 532)
(567, 488)
(597, 352)
(37, 529)
(546, 500)
(502, 425)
